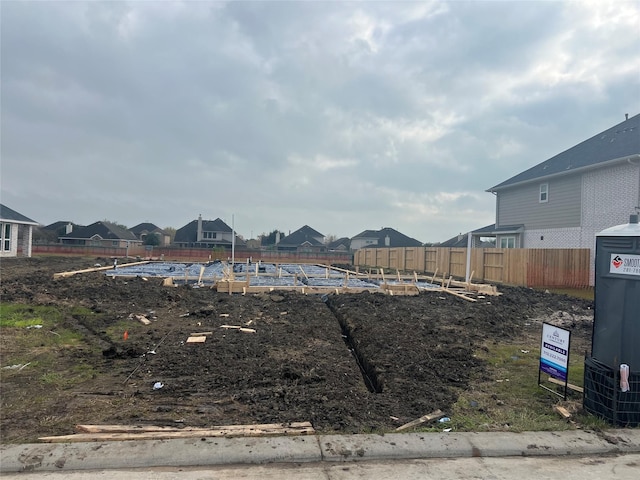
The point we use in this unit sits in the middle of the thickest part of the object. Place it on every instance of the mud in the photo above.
(348, 363)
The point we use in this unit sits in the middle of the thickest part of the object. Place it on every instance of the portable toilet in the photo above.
(612, 372)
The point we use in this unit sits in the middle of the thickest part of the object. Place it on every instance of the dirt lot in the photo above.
(301, 364)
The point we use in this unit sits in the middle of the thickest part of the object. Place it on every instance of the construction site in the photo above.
(173, 347)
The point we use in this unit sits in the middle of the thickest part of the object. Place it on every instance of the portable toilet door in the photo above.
(612, 373)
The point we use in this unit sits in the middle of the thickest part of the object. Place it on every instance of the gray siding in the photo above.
(520, 205)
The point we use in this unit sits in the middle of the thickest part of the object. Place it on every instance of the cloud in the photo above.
(342, 116)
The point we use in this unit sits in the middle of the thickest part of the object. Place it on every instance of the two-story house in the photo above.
(305, 239)
(206, 234)
(385, 237)
(565, 200)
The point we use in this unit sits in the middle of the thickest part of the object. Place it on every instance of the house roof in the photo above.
(368, 234)
(105, 230)
(11, 216)
(146, 227)
(617, 143)
(396, 239)
(189, 233)
(59, 224)
(339, 242)
(301, 236)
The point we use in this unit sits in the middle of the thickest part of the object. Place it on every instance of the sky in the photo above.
(344, 116)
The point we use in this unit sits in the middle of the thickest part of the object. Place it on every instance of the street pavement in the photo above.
(573, 454)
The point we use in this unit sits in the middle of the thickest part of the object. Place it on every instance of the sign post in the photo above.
(554, 355)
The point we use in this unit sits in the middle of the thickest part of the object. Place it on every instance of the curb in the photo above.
(303, 449)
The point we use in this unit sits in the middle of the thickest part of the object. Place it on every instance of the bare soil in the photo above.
(348, 363)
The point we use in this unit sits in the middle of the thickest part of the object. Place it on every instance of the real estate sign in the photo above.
(554, 351)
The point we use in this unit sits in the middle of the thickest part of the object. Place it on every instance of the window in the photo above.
(544, 193)
(209, 235)
(507, 242)
(6, 237)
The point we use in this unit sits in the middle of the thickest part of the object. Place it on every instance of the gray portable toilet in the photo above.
(609, 392)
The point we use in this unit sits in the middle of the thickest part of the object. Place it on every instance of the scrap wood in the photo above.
(569, 385)
(230, 326)
(458, 294)
(198, 339)
(157, 428)
(247, 330)
(198, 334)
(425, 418)
(142, 319)
(97, 433)
(563, 412)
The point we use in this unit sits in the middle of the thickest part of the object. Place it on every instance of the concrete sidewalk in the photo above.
(305, 449)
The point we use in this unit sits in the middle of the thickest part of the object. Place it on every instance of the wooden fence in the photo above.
(529, 267)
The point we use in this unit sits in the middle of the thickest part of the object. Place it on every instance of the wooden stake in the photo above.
(433, 279)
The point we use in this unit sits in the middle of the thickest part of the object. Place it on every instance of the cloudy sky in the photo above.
(343, 116)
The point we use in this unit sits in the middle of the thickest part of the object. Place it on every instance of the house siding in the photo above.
(521, 205)
(609, 196)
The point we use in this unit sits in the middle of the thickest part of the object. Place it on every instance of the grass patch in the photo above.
(511, 398)
(22, 316)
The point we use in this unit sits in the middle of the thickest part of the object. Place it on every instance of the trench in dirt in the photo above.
(369, 373)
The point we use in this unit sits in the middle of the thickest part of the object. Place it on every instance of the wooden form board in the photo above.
(100, 433)
(95, 269)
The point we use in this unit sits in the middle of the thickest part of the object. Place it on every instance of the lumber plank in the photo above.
(238, 431)
(569, 385)
(95, 269)
(84, 428)
(419, 421)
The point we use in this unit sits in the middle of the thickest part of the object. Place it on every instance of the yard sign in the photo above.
(554, 354)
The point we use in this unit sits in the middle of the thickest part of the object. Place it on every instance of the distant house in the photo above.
(565, 200)
(143, 229)
(206, 234)
(100, 234)
(52, 232)
(385, 237)
(15, 228)
(305, 239)
(340, 245)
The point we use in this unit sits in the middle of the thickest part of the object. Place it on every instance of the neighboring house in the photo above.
(564, 201)
(51, 233)
(340, 245)
(385, 237)
(100, 234)
(305, 239)
(462, 240)
(143, 229)
(15, 228)
(206, 234)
